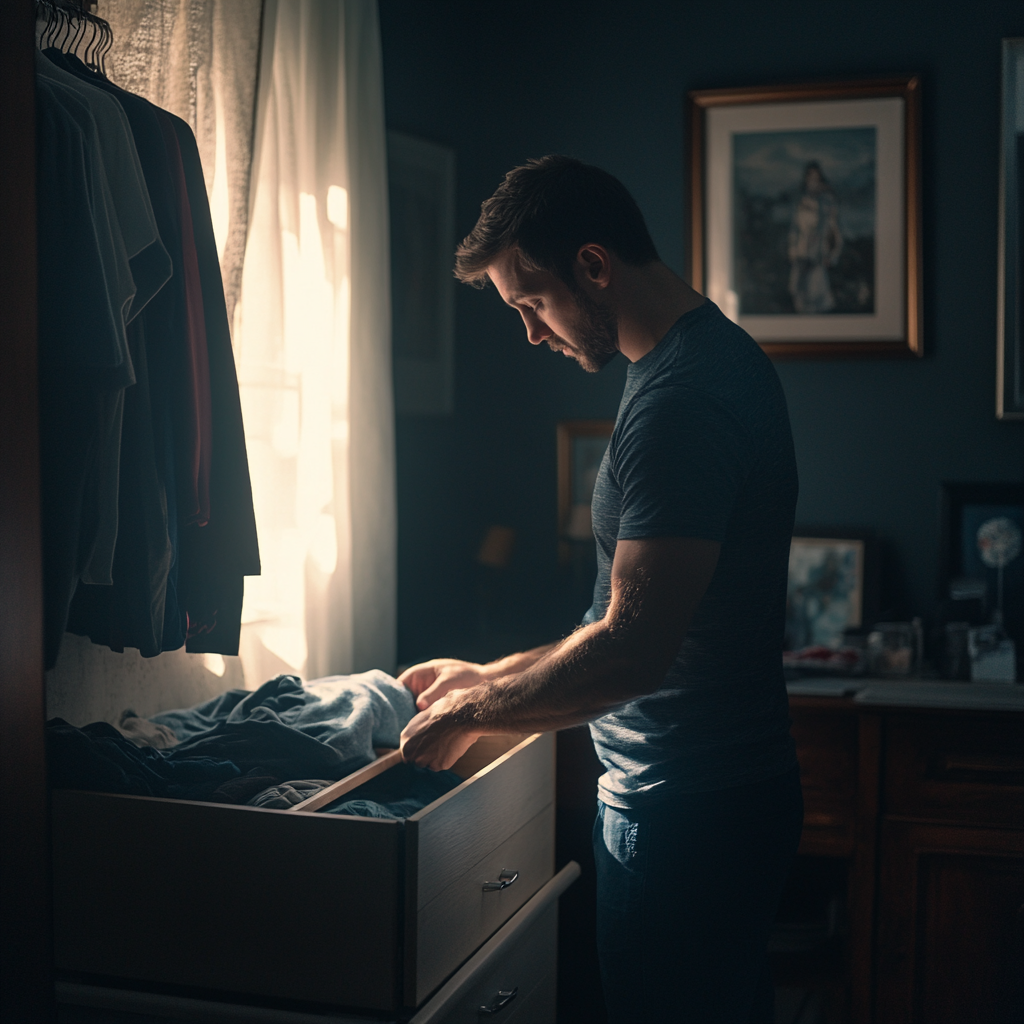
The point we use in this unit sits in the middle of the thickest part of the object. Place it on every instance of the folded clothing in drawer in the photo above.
(397, 793)
(237, 745)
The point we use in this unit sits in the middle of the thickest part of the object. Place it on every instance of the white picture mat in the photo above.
(886, 115)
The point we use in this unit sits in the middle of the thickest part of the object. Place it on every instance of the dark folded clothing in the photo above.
(263, 741)
(98, 757)
(397, 793)
(241, 790)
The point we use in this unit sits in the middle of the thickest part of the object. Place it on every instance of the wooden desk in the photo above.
(926, 805)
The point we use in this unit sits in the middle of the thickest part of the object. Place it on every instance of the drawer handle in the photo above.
(501, 1001)
(505, 879)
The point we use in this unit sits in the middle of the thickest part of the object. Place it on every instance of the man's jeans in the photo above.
(687, 892)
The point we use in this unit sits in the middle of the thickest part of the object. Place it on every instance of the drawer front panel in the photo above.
(958, 769)
(452, 834)
(539, 1007)
(242, 899)
(525, 968)
(464, 915)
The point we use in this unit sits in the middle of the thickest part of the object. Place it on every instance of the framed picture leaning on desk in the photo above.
(805, 214)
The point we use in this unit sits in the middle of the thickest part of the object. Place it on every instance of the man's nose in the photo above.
(537, 332)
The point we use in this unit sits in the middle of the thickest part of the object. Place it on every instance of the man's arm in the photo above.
(431, 680)
(657, 585)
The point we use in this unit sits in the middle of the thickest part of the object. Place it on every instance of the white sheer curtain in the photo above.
(198, 59)
(312, 345)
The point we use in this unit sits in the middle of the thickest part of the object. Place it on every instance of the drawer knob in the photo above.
(505, 879)
(501, 1000)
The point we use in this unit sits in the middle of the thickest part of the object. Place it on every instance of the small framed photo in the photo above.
(581, 447)
(1010, 337)
(832, 587)
(805, 214)
(982, 555)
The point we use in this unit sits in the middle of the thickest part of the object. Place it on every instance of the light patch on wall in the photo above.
(215, 663)
(220, 204)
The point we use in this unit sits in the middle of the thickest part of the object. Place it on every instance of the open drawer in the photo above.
(295, 905)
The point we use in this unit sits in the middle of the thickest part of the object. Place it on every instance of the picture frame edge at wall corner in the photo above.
(905, 86)
(424, 386)
(1008, 350)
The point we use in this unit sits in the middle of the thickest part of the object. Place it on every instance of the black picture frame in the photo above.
(1010, 310)
(956, 497)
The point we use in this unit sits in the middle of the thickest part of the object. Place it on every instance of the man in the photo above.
(678, 665)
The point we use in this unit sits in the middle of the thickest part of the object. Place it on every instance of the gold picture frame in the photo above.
(761, 155)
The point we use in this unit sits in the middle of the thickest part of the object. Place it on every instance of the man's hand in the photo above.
(431, 680)
(435, 738)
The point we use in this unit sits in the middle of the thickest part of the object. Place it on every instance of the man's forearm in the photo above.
(514, 663)
(566, 684)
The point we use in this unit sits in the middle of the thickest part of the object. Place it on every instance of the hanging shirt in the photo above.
(148, 269)
(82, 349)
(208, 563)
(217, 557)
(143, 580)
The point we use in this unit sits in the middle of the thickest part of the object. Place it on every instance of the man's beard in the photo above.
(596, 336)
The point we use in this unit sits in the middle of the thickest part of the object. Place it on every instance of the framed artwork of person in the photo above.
(805, 214)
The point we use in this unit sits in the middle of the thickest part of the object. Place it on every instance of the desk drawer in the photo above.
(462, 916)
(964, 769)
(298, 905)
(525, 969)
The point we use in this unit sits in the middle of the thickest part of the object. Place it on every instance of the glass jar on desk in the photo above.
(894, 649)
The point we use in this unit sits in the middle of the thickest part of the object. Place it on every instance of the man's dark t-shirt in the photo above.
(702, 448)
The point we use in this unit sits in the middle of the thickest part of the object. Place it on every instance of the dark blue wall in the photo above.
(606, 82)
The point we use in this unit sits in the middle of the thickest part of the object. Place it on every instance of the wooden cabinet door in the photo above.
(950, 919)
(827, 746)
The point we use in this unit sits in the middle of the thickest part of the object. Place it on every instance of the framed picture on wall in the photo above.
(1010, 337)
(825, 592)
(581, 447)
(421, 190)
(805, 214)
(981, 552)
(833, 586)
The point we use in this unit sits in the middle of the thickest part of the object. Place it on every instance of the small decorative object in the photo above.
(993, 656)
(421, 187)
(581, 447)
(825, 593)
(894, 648)
(998, 542)
(956, 662)
(982, 533)
(805, 214)
(846, 661)
(1010, 337)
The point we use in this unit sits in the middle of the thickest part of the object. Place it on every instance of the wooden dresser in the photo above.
(918, 790)
(198, 911)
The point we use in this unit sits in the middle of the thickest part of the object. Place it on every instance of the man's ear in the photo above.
(595, 265)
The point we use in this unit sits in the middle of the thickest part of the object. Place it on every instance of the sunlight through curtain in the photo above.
(312, 345)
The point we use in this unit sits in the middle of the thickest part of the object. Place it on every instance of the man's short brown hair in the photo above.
(546, 210)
